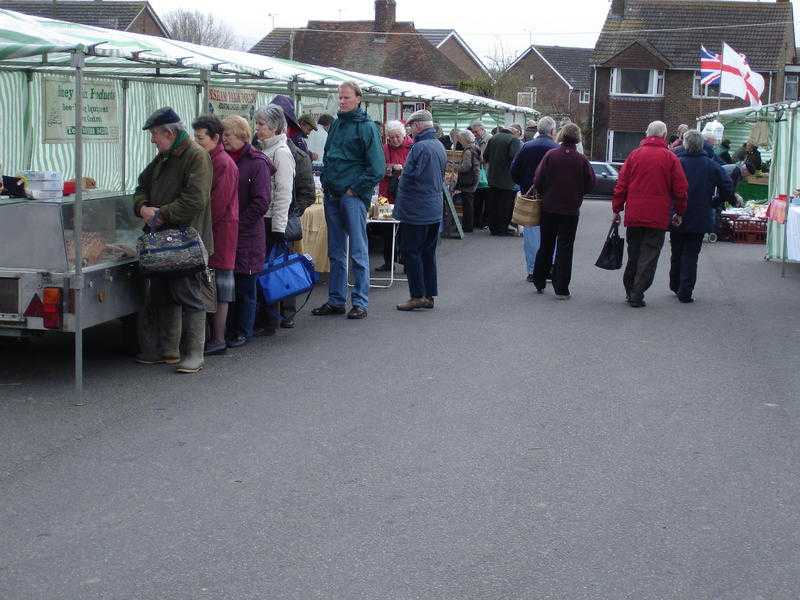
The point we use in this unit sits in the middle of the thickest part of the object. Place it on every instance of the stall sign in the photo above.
(101, 121)
(227, 102)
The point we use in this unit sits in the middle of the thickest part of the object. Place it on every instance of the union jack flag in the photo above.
(710, 67)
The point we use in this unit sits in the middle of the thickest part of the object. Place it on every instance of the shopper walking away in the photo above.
(255, 174)
(419, 210)
(523, 168)
(352, 166)
(562, 178)
(703, 175)
(499, 154)
(651, 184)
(174, 190)
(208, 131)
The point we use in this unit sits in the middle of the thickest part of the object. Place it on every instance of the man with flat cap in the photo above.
(174, 190)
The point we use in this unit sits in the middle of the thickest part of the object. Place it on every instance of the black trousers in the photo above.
(644, 248)
(557, 231)
(419, 252)
(468, 204)
(500, 208)
(479, 212)
(683, 262)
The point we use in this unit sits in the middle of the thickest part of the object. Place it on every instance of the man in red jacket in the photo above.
(651, 188)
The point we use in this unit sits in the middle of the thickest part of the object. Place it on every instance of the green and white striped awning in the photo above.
(28, 42)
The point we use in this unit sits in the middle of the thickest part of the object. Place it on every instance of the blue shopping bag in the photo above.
(286, 274)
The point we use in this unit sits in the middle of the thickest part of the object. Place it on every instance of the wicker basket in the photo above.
(527, 209)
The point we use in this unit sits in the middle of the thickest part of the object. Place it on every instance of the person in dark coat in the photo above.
(293, 130)
(418, 207)
(469, 170)
(255, 172)
(523, 168)
(725, 152)
(704, 176)
(562, 178)
(208, 131)
(498, 156)
(749, 153)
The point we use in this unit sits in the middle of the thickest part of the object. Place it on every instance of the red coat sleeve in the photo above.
(680, 186)
(621, 189)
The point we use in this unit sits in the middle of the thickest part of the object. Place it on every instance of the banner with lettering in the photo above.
(224, 102)
(101, 122)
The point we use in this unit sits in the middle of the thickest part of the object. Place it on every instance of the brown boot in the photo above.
(412, 304)
(428, 302)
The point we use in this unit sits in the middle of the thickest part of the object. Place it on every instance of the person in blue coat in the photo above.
(686, 239)
(523, 168)
(418, 207)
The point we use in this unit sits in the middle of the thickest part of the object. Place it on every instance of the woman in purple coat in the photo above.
(255, 171)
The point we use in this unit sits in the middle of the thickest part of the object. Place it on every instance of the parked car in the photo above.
(605, 179)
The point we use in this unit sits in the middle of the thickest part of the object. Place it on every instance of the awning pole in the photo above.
(76, 282)
(124, 135)
(790, 126)
(204, 81)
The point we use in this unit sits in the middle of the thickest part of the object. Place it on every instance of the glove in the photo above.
(276, 236)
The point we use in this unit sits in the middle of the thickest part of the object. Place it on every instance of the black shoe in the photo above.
(637, 303)
(287, 323)
(237, 342)
(539, 290)
(529, 278)
(384, 268)
(357, 313)
(686, 299)
(328, 309)
(214, 349)
(265, 332)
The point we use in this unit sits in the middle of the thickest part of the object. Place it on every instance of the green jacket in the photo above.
(353, 156)
(178, 182)
(498, 155)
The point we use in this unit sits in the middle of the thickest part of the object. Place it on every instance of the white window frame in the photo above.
(796, 78)
(585, 96)
(655, 85)
(696, 78)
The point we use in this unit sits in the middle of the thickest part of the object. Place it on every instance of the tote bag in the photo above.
(611, 255)
(286, 274)
(527, 209)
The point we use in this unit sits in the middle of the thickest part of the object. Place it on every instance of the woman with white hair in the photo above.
(395, 152)
(271, 139)
(468, 176)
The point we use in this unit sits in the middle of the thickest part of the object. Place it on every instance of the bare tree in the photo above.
(499, 83)
(201, 28)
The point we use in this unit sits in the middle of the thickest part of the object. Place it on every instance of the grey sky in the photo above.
(489, 27)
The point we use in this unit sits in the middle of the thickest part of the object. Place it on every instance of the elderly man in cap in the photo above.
(418, 207)
(308, 125)
(174, 190)
(352, 166)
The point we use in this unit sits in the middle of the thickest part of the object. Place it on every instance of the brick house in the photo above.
(555, 80)
(453, 46)
(136, 17)
(383, 46)
(654, 75)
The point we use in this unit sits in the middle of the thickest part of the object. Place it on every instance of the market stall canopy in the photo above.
(120, 53)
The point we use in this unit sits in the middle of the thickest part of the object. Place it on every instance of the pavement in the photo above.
(502, 446)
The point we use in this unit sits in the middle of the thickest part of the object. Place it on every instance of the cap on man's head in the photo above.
(163, 116)
(307, 120)
(421, 116)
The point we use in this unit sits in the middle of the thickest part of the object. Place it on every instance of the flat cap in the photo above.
(308, 120)
(163, 116)
(423, 116)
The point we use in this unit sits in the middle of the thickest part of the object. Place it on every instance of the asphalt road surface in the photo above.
(502, 446)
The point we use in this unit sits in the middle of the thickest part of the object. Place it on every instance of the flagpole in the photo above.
(719, 89)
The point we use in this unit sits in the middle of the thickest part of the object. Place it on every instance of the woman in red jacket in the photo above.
(224, 223)
(395, 151)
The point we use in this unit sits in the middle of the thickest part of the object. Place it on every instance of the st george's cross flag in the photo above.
(737, 79)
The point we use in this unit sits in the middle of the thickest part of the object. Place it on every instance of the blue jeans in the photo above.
(346, 217)
(243, 312)
(531, 238)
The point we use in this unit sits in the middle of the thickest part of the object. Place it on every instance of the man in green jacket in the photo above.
(498, 156)
(174, 190)
(352, 166)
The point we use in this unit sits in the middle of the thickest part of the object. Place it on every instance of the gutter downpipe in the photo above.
(594, 105)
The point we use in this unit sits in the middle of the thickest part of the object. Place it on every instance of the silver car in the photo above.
(605, 180)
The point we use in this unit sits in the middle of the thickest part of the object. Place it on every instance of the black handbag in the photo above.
(611, 255)
(173, 251)
(294, 229)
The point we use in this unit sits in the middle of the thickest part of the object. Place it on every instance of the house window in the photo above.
(637, 82)
(706, 91)
(790, 91)
(584, 99)
(621, 143)
(527, 99)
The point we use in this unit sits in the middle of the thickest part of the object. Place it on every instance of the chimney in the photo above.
(385, 11)
(617, 8)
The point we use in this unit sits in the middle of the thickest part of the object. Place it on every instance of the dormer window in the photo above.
(637, 82)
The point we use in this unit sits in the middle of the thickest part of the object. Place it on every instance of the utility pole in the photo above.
(272, 16)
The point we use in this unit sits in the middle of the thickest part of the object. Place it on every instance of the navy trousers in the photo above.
(419, 252)
(683, 262)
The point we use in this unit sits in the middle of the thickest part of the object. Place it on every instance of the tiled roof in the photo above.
(573, 64)
(435, 36)
(408, 56)
(107, 14)
(680, 39)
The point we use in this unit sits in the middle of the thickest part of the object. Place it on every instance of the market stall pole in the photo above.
(76, 282)
(788, 193)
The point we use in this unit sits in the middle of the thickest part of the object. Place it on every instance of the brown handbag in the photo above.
(527, 208)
